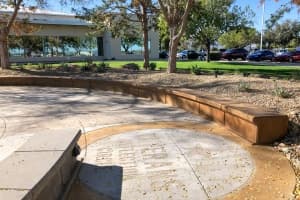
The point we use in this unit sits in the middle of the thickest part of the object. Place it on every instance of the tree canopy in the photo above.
(239, 38)
(9, 22)
(210, 19)
(282, 34)
(124, 19)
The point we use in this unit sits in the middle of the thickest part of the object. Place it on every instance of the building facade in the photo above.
(50, 24)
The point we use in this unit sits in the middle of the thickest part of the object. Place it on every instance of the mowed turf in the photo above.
(261, 68)
(271, 69)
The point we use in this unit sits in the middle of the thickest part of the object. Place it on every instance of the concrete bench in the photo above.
(41, 168)
(256, 124)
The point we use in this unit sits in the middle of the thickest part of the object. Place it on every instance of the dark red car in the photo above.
(295, 56)
(235, 54)
(284, 57)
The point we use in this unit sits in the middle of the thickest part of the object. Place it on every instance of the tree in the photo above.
(269, 38)
(164, 38)
(122, 17)
(31, 44)
(272, 33)
(5, 28)
(65, 41)
(175, 14)
(297, 2)
(89, 43)
(239, 38)
(277, 15)
(128, 41)
(52, 43)
(286, 32)
(206, 26)
(9, 22)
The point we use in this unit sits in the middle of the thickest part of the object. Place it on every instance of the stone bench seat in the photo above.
(254, 123)
(41, 168)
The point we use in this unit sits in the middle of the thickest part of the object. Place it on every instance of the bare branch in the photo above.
(14, 15)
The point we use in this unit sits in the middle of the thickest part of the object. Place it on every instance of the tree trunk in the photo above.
(4, 57)
(208, 50)
(172, 51)
(176, 28)
(146, 38)
(52, 51)
(63, 50)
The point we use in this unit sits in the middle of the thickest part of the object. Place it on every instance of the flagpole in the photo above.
(262, 25)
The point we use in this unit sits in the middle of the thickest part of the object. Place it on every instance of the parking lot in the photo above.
(262, 63)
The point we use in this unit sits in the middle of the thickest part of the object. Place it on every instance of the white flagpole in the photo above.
(262, 25)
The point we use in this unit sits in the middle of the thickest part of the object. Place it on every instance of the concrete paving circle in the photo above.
(165, 164)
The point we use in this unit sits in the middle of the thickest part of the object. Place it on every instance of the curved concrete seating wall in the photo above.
(41, 168)
(255, 124)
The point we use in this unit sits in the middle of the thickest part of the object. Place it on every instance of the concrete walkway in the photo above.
(162, 153)
(26, 109)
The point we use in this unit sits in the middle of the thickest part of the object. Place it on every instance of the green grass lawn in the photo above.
(230, 67)
(206, 65)
(269, 69)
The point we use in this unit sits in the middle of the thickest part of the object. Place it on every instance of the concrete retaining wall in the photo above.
(41, 168)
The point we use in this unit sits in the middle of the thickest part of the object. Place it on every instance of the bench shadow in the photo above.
(99, 182)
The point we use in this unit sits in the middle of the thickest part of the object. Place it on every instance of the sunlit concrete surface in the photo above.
(27, 109)
(165, 164)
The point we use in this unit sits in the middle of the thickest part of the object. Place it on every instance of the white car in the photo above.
(281, 51)
(187, 54)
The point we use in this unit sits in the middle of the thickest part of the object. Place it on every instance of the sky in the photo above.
(270, 7)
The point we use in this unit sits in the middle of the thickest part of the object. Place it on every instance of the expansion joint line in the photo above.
(4, 127)
(193, 170)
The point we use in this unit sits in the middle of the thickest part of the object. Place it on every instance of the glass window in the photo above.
(133, 45)
(37, 46)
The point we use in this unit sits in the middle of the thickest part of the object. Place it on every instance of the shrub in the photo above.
(244, 87)
(152, 66)
(296, 76)
(102, 67)
(20, 66)
(196, 70)
(41, 66)
(281, 91)
(131, 66)
(29, 65)
(85, 68)
(88, 60)
(64, 67)
(246, 74)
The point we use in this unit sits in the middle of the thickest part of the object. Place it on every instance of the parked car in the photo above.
(163, 54)
(283, 57)
(261, 55)
(295, 56)
(235, 54)
(281, 51)
(187, 54)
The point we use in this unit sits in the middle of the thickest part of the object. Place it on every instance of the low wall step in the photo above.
(41, 168)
